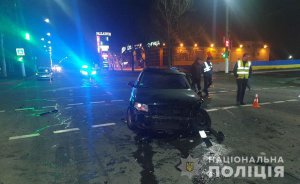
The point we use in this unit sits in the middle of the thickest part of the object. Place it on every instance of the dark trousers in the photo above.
(207, 83)
(196, 84)
(241, 84)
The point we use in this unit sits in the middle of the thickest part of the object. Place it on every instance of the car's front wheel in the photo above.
(201, 121)
(130, 120)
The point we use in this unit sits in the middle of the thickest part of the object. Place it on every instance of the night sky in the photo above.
(74, 23)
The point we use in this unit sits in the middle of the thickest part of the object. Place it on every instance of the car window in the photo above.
(163, 81)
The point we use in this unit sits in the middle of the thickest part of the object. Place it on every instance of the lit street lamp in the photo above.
(47, 20)
(48, 34)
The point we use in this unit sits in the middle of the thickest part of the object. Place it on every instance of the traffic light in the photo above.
(227, 43)
(20, 59)
(225, 54)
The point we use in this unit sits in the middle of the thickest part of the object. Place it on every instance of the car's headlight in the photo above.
(94, 72)
(141, 107)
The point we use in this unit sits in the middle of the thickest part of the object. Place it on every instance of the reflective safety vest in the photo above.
(243, 71)
(208, 67)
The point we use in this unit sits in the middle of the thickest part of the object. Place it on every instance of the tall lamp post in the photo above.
(227, 37)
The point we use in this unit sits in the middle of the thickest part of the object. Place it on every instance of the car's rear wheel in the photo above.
(130, 120)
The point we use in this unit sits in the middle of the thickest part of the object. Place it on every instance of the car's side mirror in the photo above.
(131, 84)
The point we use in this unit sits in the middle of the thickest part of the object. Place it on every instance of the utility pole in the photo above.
(227, 38)
(4, 72)
(214, 21)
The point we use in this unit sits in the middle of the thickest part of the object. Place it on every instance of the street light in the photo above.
(181, 45)
(47, 20)
(43, 39)
(212, 45)
(290, 57)
(195, 45)
(27, 36)
(265, 46)
(241, 46)
(49, 42)
(48, 34)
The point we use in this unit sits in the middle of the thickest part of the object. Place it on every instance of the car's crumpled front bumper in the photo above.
(165, 123)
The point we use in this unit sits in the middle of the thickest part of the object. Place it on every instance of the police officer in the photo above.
(207, 74)
(242, 70)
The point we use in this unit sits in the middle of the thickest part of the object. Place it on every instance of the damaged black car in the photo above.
(163, 101)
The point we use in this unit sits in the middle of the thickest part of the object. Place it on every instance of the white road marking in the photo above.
(25, 109)
(24, 136)
(229, 107)
(265, 103)
(117, 101)
(2, 111)
(211, 110)
(103, 125)
(66, 130)
(279, 102)
(292, 100)
(222, 91)
(51, 100)
(98, 102)
(45, 107)
(75, 104)
(246, 105)
(68, 108)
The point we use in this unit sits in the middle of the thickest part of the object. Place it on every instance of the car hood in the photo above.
(169, 96)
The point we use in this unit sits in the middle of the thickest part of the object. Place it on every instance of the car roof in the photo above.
(165, 70)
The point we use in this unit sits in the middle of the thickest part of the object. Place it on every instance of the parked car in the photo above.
(163, 101)
(44, 73)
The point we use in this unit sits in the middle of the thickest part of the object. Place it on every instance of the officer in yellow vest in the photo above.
(207, 75)
(242, 70)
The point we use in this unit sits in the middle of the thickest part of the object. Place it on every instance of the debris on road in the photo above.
(49, 112)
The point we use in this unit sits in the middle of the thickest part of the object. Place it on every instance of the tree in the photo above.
(6, 26)
(172, 11)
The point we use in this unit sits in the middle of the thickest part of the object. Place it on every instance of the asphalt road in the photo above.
(72, 130)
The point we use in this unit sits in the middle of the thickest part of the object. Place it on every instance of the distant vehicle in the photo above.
(163, 101)
(44, 73)
(57, 68)
(88, 71)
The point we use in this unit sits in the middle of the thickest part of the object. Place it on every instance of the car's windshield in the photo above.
(163, 81)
